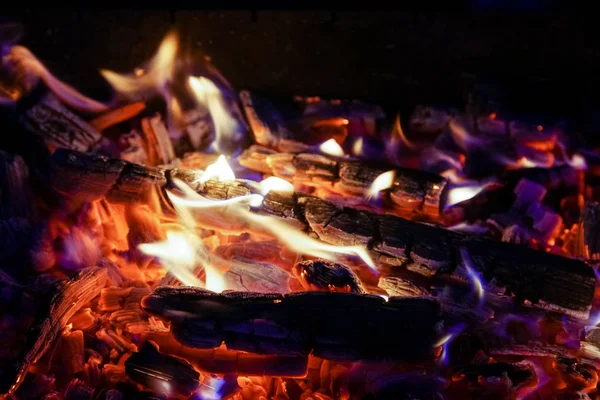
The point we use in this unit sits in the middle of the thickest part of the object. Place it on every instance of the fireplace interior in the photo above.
(299, 205)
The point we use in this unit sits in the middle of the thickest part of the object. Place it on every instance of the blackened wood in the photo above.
(587, 242)
(327, 276)
(15, 192)
(224, 361)
(59, 127)
(158, 371)
(413, 191)
(341, 326)
(497, 380)
(563, 177)
(54, 313)
(547, 281)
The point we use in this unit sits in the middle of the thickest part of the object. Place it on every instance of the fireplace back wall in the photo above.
(521, 62)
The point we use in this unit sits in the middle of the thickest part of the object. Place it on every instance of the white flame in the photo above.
(473, 276)
(357, 147)
(332, 148)
(578, 162)
(292, 238)
(219, 170)
(177, 254)
(209, 95)
(382, 182)
(158, 73)
(459, 194)
(275, 184)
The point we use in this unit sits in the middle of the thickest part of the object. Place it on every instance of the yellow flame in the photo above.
(275, 184)
(294, 239)
(208, 95)
(382, 182)
(159, 71)
(219, 170)
(357, 147)
(459, 194)
(578, 162)
(332, 148)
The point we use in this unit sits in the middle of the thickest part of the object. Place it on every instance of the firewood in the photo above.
(116, 116)
(268, 129)
(563, 177)
(159, 371)
(413, 191)
(71, 352)
(339, 326)
(547, 281)
(226, 361)
(57, 126)
(494, 380)
(159, 146)
(587, 242)
(68, 297)
(15, 191)
(256, 276)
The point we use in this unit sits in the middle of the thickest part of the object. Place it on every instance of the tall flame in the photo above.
(154, 77)
(208, 95)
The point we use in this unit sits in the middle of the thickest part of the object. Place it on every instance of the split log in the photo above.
(15, 192)
(587, 242)
(159, 371)
(547, 281)
(159, 146)
(225, 361)
(116, 116)
(57, 126)
(413, 191)
(338, 326)
(68, 297)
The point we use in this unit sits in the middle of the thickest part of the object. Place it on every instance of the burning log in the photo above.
(494, 380)
(162, 373)
(548, 281)
(339, 326)
(224, 361)
(117, 116)
(159, 146)
(57, 126)
(412, 191)
(68, 297)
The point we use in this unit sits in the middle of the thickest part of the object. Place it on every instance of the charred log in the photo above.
(413, 191)
(68, 297)
(339, 326)
(327, 276)
(587, 242)
(547, 281)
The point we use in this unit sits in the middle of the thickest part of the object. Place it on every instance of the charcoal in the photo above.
(160, 372)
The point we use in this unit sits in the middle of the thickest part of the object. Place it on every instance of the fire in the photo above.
(154, 77)
(578, 162)
(332, 148)
(472, 274)
(275, 184)
(459, 194)
(382, 182)
(357, 147)
(219, 170)
(208, 95)
(295, 240)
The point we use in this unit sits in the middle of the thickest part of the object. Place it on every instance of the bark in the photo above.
(68, 297)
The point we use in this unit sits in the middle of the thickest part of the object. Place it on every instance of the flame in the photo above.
(332, 148)
(155, 76)
(382, 182)
(459, 194)
(275, 184)
(578, 162)
(294, 239)
(462, 137)
(177, 253)
(219, 170)
(445, 340)
(454, 176)
(476, 280)
(357, 147)
(208, 95)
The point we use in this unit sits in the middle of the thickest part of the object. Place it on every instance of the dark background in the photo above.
(526, 58)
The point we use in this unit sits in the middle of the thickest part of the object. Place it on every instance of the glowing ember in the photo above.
(219, 170)
(332, 148)
(578, 162)
(382, 182)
